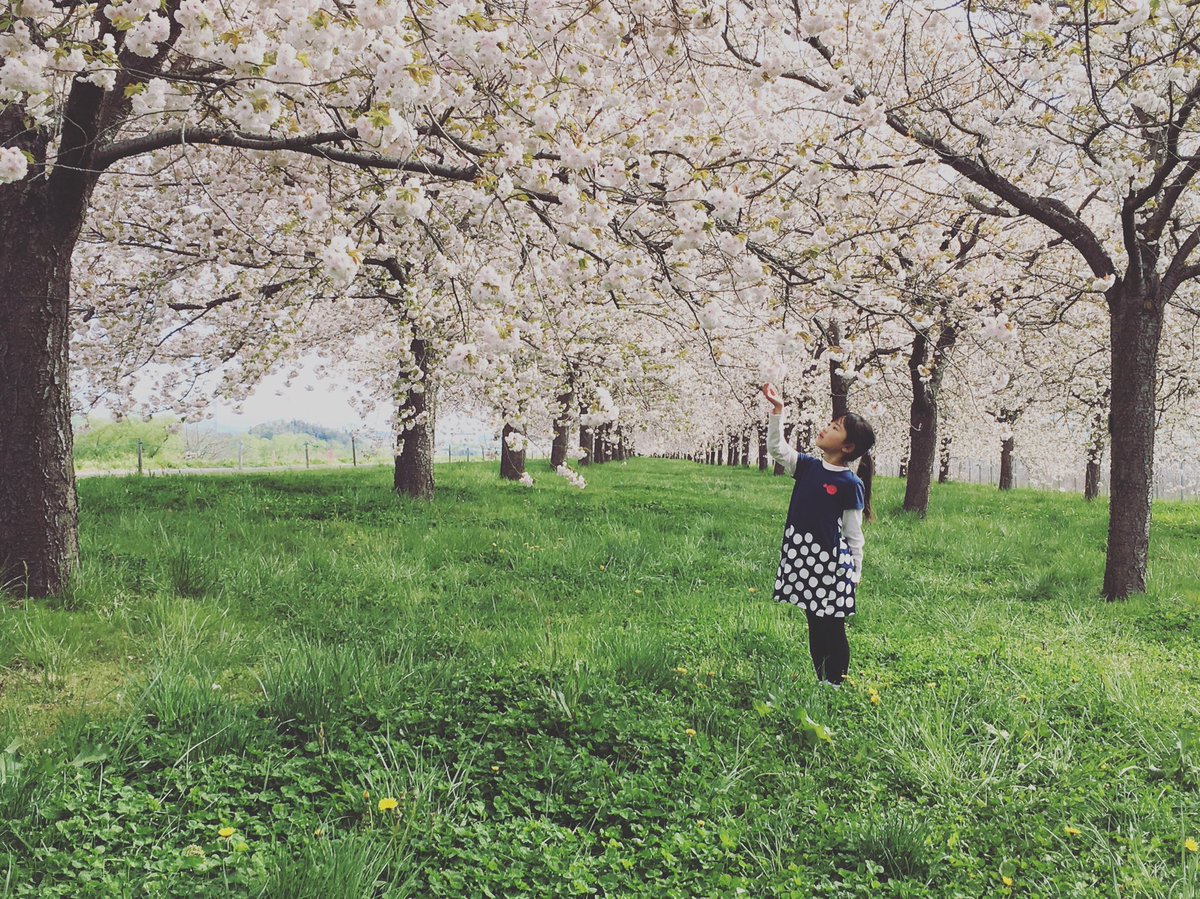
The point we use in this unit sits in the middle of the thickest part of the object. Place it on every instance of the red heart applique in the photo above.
(830, 489)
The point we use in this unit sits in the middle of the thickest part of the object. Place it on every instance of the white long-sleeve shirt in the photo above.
(787, 457)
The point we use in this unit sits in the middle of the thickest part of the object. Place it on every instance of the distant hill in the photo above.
(271, 429)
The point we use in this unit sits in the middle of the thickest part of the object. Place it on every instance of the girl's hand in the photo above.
(768, 390)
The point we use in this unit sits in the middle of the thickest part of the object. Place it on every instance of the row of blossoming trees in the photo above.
(976, 221)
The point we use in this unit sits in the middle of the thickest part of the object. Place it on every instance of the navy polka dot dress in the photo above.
(816, 570)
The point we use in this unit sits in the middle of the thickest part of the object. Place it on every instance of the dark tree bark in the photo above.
(1136, 318)
(1095, 452)
(562, 429)
(762, 445)
(839, 387)
(923, 416)
(512, 463)
(39, 543)
(1091, 480)
(731, 448)
(413, 474)
(944, 467)
(745, 446)
(1006, 462)
(40, 220)
(587, 438)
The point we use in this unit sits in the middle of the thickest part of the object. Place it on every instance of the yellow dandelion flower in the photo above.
(681, 670)
(751, 589)
(699, 823)
(1071, 831)
(1191, 845)
(225, 833)
(495, 769)
(386, 805)
(1006, 880)
(637, 592)
(691, 732)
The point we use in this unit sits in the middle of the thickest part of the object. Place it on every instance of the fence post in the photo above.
(306, 454)
(139, 457)
(239, 455)
(353, 452)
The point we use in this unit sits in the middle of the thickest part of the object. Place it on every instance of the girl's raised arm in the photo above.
(776, 448)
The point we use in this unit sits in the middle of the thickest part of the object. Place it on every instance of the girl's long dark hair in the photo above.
(862, 435)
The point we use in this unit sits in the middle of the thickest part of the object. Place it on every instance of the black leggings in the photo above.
(829, 647)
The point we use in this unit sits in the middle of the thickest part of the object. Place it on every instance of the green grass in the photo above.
(591, 693)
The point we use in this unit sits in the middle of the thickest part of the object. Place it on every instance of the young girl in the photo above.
(820, 562)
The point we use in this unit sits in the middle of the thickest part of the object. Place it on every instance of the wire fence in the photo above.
(1172, 480)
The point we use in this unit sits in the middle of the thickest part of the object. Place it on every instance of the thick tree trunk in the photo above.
(413, 473)
(1006, 463)
(40, 219)
(1135, 331)
(731, 448)
(562, 429)
(762, 445)
(39, 542)
(1091, 480)
(745, 446)
(922, 421)
(512, 462)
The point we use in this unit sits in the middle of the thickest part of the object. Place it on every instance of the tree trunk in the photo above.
(1006, 463)
(762, 445)
(587, 438)
(413, 474)
(1091, 480)
(923, 417)
(731, 448)
(745, 446)
(562, 429)
(922, 421)
(1135, 331)
(944, 468)
(40, 219)
(839, 387)
(39, 539)
(512, 462)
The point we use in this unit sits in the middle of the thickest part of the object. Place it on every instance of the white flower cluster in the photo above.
(603, 411)
(407, 202)
(13, 165)
(341, 261)
(525, 479)
(517, 442)
(726, 203)
(574, 477)
(772, 371)
(999, 329)
(388, 131)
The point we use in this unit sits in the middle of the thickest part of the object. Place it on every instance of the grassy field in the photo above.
(298, 686)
